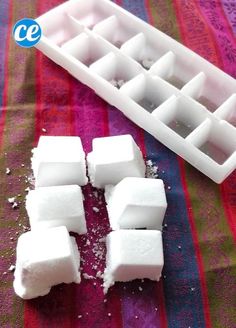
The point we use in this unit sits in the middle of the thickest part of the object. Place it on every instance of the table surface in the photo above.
(198, 287)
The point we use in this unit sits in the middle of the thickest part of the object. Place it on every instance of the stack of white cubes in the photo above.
(47, 255)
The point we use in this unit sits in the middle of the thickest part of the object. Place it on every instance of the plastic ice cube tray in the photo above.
(180, 98)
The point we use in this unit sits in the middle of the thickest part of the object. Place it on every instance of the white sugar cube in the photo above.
(114, 158)
(56, 206)
(136, 203)
(59, 161)
(44, 259)
(133, 254)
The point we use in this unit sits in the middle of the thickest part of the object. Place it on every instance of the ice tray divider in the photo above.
(227, 111)
(193, 87)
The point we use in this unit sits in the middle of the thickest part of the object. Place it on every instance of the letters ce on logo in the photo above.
(27, 32)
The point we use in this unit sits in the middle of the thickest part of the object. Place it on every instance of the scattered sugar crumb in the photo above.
(27, 189)
(109, 314)
(44, 130)
(8, 171)
(169, 187)
(87, 276)
(12, 268)
(99, 274)
(87, 242)
(95, 209)
(136, 317)
(193, 289)
(179, 247)
(80, 316)
(147, 63)
(22, 165)
(140, 289)
(105, 300)
(15, 205)
(151, 170)
(11, 200)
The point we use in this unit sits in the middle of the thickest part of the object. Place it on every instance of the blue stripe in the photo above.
(182, 287)
(4, 17)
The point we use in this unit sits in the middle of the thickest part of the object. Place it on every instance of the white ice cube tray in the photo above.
(180, 98)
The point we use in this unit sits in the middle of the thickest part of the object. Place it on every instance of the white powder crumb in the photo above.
(12, 268)
(4, 273)
(25, 228)
(87, 242)
(95, 267)
(179, 247)
(95, 209)
(164, 276)
(22, 165)
(80, 316)
(94, 283)
(8, 171)
(155, 308)
(105, 300)
(27, 189)
(169, 187)
(15, 205)
(109, 314)
(140, 289)
(44, 130)
(165, 225)
(11, 200)
(99, 274)
(151, 170)
(87, 276)
(136, 317)
(147, 63)
(193, 289)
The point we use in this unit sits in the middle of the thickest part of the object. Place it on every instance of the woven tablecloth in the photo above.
(198, 285)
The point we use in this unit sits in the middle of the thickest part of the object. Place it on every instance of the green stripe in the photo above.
(216, 245)
(164, 18)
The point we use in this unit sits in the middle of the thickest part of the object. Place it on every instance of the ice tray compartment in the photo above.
(114, 30)
(148, 92)
(116, 69)
(216, 139)
(175, 70)
(181, 114)
(228, 110)
(85, 48)
(61, 30)
(88, 13)
(209, 92)
(143, 50)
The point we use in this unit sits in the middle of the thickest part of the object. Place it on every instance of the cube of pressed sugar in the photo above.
(133, 254)
(44, 259)
(59, 161)
(114, 158)
(56, 206)
(136, 203)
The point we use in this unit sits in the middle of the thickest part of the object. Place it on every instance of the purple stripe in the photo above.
(4, 20)
(230, 12)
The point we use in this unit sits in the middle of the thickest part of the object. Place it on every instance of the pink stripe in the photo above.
(205, 300)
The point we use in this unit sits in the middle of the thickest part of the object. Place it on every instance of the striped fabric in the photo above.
(198, 288)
